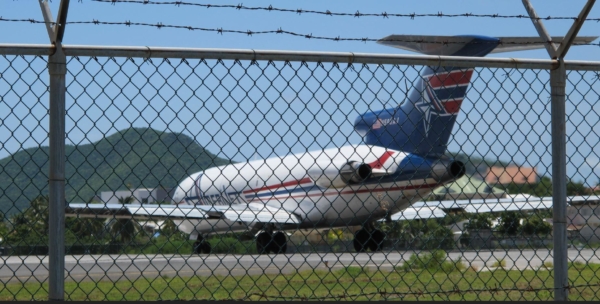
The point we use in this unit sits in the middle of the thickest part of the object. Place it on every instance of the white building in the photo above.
(583, 217)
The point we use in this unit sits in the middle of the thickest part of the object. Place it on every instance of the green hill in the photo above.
(136, 157)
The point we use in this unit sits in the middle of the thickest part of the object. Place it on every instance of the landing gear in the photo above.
(368, 239)
(361, 240)
(201, 245)
(267, 242)
(263, 240)
(376, 241)
(279, 243)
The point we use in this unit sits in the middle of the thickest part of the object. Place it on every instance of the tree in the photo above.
(544, 188)
(126, 200)
(124, 230)
(86, 229)
(479, 221)
(38, 215)
(436, 236)
(170, 230)
(575, 188)
(510, 222)
(3, 228)
(536, 226)
(541, 188)
(32, 225)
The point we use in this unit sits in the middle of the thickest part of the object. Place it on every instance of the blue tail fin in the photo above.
(423, 123)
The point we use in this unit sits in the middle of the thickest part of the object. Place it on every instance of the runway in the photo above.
(130, 267)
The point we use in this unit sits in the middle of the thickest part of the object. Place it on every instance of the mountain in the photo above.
(131, 158)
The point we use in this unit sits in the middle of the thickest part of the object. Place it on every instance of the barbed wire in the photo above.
(356, 14)
(387, 294)
(160, 25)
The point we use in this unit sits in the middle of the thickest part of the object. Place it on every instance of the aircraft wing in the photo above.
(521, 203)
(97, 210)
(250, 213)
(501, 205)
(416, 213)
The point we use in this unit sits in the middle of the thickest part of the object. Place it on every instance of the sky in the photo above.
(507, 116)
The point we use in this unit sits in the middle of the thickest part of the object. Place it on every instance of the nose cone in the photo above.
(186, 189)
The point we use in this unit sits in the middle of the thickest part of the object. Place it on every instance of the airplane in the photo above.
(400, 161)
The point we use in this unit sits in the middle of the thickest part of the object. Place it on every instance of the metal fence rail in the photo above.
(138, 121)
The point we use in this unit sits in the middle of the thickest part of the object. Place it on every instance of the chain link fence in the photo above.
(139, 129)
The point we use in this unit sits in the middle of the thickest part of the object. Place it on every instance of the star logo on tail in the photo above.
(430, 106)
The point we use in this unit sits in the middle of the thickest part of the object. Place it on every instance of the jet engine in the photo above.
(339, 174)
(444, 171)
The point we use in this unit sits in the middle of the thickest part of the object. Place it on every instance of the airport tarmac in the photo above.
(133, 266)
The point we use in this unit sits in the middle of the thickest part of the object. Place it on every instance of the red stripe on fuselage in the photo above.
(378, 164)
(410, 187)
(450, 79)
(286, 184)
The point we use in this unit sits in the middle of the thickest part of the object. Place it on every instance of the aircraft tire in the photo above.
(205, 247)
(361, 239)
(201, 246)
(263, 241)
(278, 243)
(196, 248)
(376, 240)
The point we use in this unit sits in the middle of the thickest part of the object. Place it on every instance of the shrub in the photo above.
(579, 265)
(501, 263)
(548, 265)
(433, 262)
(232, 245)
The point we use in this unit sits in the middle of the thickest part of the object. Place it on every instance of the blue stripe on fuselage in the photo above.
(284, 191)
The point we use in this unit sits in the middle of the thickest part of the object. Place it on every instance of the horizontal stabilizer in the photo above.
(452, 45)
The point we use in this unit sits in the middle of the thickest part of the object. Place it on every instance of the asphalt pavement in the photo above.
(130, 267)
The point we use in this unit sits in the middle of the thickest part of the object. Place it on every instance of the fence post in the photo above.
(559, 180)
(57, 68)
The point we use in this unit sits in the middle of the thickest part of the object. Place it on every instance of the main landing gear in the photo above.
(201, 245)
(271, 242)
(368, 238)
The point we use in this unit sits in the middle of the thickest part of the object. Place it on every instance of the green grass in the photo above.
(338, 283)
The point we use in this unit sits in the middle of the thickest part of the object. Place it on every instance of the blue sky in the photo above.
(497, 123)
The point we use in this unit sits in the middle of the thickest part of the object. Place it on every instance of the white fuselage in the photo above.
(302, 184)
